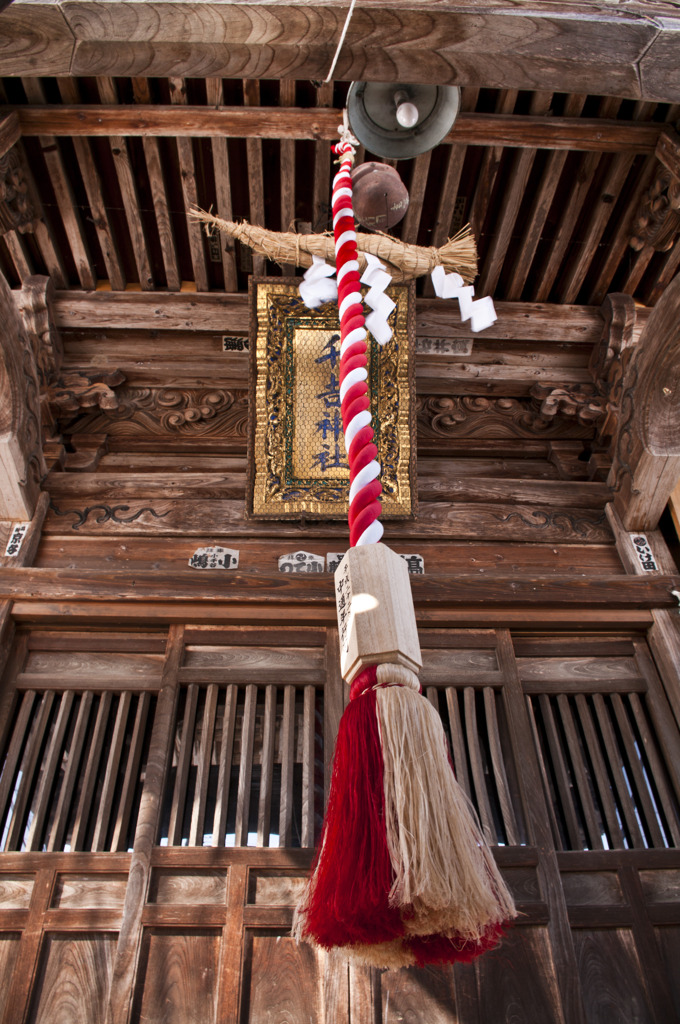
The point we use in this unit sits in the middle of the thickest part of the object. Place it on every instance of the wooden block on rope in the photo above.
(376, 618)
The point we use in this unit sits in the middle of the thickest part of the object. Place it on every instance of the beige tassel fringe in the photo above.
(404, 262)
(444, 871)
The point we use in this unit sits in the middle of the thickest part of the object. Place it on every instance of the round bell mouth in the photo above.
(375, 110)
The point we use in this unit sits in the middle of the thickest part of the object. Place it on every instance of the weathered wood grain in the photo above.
(48, 770)
(128, 948)
(68, 88)
(127, 183)
(281, 980)
(73, 978)
(10, 131)
(184, 760)
(178, 976)
(610, 974)
(446, 520)
(519, 48)
(90, 774)
(220, 154)
(78, 891)
(112, 772)
(60, 584)
(131, 311)
(191, 887)
(245, 767)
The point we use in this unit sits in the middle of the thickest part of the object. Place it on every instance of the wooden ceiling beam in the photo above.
(540, 207)
(68, 88)
(128, 189)
(251, 98)
(63, 194)
(159, 194)
(10, 131)
(524, 46)
(187, 167)
(597, 135)
(220, 154)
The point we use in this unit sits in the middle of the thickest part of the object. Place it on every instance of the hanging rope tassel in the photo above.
(403, 874)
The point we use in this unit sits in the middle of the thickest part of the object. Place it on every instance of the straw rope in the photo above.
(405, 262)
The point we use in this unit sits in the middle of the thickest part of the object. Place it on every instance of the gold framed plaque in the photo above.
(297, 464)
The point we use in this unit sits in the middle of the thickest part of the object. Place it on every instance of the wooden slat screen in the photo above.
(72, 770)
(607, 778)
(247, 766)
(474, 721)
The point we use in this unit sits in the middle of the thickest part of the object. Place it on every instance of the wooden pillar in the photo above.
(22, 466)
(664, 635)
(130, 935)
(646, 446)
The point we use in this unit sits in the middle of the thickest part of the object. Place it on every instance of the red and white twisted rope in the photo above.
(364, 469)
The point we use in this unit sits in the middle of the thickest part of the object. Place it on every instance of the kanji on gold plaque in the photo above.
(297, 458)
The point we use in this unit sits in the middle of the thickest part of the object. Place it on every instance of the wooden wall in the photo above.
(165, 890)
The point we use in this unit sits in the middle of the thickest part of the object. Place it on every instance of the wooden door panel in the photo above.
(611, 977)
(517, 981)
(9, 949)
(281, 982)
(177, 977)
(73, 978)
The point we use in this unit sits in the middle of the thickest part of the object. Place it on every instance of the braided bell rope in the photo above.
(364, 469)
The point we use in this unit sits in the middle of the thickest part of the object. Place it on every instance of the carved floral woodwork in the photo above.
(16, 213)
(75, 391)
(582, 402)
(209, 412)
(492, 419)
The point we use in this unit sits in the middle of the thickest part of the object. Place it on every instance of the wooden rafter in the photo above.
(600, 135)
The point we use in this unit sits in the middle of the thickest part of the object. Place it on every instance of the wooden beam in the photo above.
(63, 194)
(68, 88)
(27, 584)
(251, 98)
(10, 131)
(602, 51)
(526, 321)
(457, 520)
(154, 167)
(187, 169)
(220, 155)
(513, 195)
(130, 937)
(287, 186)
(540, 207)
(124, 613)
(596, 135)
(128, 190)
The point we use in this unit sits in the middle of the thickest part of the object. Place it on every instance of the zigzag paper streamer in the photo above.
(318, 284)
(480, 312)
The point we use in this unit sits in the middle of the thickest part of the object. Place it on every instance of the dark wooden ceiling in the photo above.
(552, 221)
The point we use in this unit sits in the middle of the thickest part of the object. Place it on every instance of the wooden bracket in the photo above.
(657, 222)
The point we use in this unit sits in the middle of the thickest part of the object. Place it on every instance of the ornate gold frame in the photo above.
(295, 468)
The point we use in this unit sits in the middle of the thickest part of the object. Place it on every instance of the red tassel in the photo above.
(347, 903)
